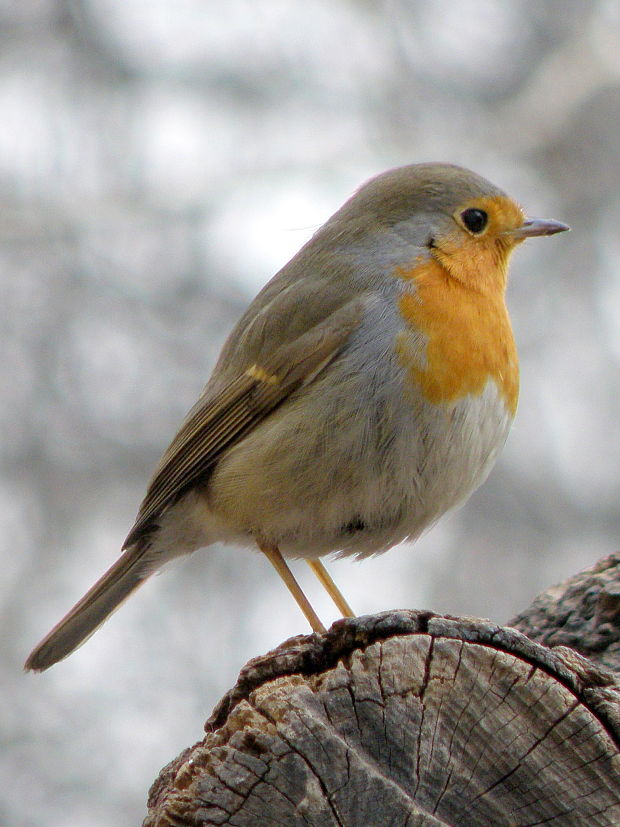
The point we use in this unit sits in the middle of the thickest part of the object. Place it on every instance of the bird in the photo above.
(366, 391)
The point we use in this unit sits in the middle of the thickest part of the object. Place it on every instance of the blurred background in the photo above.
(159, 161)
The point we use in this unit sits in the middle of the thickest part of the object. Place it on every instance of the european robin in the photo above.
(366, 391)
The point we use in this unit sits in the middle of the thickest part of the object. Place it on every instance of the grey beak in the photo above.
(538, 226)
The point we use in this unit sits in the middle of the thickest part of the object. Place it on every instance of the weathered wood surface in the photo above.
(583, 612)
(405, 718)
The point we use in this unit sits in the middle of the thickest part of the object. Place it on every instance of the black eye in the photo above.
(475, 220)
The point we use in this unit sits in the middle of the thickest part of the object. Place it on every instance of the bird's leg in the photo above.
(277, 561)
(331, 588)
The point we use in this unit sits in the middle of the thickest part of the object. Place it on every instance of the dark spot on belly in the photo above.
(353, 527)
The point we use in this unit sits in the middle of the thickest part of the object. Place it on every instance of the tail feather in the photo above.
(124, 577)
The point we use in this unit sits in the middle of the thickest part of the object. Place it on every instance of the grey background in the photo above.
(158, 162)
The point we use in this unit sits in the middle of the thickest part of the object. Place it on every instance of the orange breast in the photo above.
(468, 337)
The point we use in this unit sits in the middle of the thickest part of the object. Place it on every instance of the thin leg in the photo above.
(277, 561)
(331, 588)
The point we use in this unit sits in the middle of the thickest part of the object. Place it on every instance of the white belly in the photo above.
(332, 487)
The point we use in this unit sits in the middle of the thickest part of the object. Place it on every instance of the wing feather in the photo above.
(216, 423)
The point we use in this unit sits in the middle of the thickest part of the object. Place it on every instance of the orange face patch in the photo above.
(458, 305)
(469, 337)
(481, 261)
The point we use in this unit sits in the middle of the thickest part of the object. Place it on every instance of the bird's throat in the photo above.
(468, 337)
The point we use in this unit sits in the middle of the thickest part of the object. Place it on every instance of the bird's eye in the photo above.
(474, 220)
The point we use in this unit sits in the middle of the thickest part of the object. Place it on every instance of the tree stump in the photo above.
(583, 612)
(406, 718)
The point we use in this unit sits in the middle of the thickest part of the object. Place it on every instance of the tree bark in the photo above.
(411, 718)
(583, 612)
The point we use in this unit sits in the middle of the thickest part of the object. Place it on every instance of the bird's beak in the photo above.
(537, 226)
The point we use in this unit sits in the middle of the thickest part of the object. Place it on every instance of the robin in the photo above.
(366, 391)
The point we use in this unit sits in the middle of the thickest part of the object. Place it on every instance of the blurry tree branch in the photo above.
(407, 717)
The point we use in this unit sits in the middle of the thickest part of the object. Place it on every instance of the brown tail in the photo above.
(119, 581)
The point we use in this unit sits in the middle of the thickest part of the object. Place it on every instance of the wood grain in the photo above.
(405, 718)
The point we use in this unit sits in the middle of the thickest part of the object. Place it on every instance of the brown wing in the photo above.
(216, 423)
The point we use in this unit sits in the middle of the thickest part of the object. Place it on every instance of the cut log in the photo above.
(583, 612)
(405, 718)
